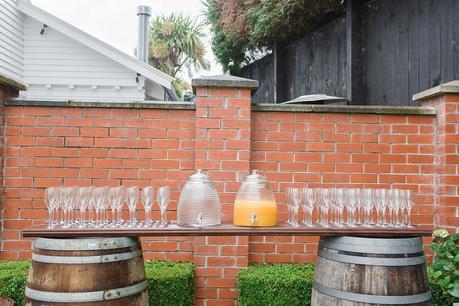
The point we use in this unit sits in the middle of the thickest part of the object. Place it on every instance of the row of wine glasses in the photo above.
(101, 207)
(363, 207)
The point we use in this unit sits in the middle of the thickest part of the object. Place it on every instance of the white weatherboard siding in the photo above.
(11, 40)
(57, 67)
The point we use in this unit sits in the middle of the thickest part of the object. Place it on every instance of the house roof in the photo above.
(97, 45)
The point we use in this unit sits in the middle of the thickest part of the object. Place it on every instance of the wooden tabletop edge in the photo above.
(282, 229)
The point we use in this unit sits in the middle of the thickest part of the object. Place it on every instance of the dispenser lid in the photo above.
(255, 177)
(199, 176)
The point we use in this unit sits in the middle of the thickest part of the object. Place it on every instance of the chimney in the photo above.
(144, 13)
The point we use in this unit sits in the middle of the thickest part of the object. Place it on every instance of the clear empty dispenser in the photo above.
(199, 204)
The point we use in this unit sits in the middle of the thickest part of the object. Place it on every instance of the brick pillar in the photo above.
(445, 99)
(8, 89)
(222, 147)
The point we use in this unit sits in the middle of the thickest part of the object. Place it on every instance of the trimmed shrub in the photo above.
(276, 285)
(169, 283)
(13, 279)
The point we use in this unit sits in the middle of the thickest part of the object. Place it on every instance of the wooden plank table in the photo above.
(283, 229)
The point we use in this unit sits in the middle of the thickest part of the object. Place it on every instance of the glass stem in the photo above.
(97, 217)
(163, 216)
(50, 217)
(131, 216)
(409, 216)
(148, 217)
(118, 213)
(113, 215)
(305, 214)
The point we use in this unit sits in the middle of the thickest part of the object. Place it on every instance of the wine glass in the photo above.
(379, 201)
(358, 207)
(341, 199)
(119, 197)
(147, 196)
(367, 204)
(91, 206)
(98, 194)
(408, 206)
(308, 205)
(83, 199)
(289, 201)
(51, 198)
(112, 196)
(391, 193)
(132, 199)
(352, 200)
(398, 206)
(105, 205)
(325, 205)
(318, 202)
(69, 194)
(294, 194)
(340, 202)
(163, 200)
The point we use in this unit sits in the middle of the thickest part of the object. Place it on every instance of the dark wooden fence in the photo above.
(398, 48)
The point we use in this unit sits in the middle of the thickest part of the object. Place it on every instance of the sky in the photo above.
(115, 21)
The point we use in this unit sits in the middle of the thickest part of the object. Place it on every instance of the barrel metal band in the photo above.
(71, 260)
(84, 244)
(373, 245)
(373, 299)
(373, 261)
(78, 297)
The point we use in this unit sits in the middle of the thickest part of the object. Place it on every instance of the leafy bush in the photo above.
(445, 269)
(439, 289)
(281, 284)
(244, 29)
(13, 279)
(169, 283)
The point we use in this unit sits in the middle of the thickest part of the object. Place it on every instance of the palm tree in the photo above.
(176, 42)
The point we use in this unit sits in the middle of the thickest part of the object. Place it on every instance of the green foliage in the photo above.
(13, 279)
(169, 283)
(439, 289)
(445, 269)
(176, 42)
(276, 285)
(245, 29)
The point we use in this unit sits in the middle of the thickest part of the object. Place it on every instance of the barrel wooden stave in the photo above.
(368, 280)
(84, 278)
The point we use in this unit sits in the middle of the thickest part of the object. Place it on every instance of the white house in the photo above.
(59, 62)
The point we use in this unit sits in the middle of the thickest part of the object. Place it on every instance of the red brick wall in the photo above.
(446, 141)
(52, 146)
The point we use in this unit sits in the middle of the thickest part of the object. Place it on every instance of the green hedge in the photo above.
(13, 278)
(169, 283)
(281, 284)
(290, 285)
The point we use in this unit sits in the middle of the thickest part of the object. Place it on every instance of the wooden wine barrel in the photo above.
(370, 271)
(105, 271)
